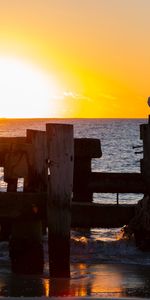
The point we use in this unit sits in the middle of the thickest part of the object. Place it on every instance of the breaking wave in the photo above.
(90, 250)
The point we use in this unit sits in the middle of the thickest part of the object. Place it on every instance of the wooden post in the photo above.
(6, 226)
(60, 185)
(25, 246)
(145, 162)
(37, 179)
(12, 185)
(84, 150)
(139, 224)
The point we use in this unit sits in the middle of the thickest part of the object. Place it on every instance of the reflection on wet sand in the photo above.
(96, 280)
(46, 286)
(103, 280)
(108, 281)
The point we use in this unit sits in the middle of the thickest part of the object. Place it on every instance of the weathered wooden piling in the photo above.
(139, 224)
(145, 162)
(5, 149)
(37, 178)
(22, 160)
(60, 186)
(84, 150)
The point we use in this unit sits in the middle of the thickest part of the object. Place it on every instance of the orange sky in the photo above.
(95, 52)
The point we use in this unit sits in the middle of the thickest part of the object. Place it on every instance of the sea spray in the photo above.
(89, 250)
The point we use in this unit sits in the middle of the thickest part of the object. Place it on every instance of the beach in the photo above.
(101, 265)
(101, 280)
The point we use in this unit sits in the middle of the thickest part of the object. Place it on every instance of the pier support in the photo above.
(24, 160)
(84, 150)
(145, 162)
(60, 186)
(25, 247)
(139, 225)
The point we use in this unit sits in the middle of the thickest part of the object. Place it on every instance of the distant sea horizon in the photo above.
(73, 118)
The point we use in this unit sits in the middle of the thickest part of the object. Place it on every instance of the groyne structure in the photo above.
(58, 187)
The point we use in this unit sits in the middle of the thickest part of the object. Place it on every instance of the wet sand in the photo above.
(69, 298)
(102, 281)
(107, 280)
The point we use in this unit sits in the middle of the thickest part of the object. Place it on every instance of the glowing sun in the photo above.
(25, 91)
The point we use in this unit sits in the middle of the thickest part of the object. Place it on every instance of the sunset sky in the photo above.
(74, 58)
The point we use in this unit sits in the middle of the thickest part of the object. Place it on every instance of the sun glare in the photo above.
(26, 91)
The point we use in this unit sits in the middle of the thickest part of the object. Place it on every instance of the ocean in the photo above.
(101, 264)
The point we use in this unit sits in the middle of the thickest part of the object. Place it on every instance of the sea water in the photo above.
(101, 264)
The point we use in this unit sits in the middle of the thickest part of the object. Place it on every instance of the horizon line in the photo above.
(72, 118)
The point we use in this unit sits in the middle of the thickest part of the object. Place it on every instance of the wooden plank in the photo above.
(16, 155)
(145, 162)
(38, 173)
(17, 161)
(20, 206)
(87, 147)
(60, 186)
(6, 229)
(88, 215)
(116, 183)
(5, 146)
(84, 150)
(12, 139)
(11, 184)
(82, 172)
